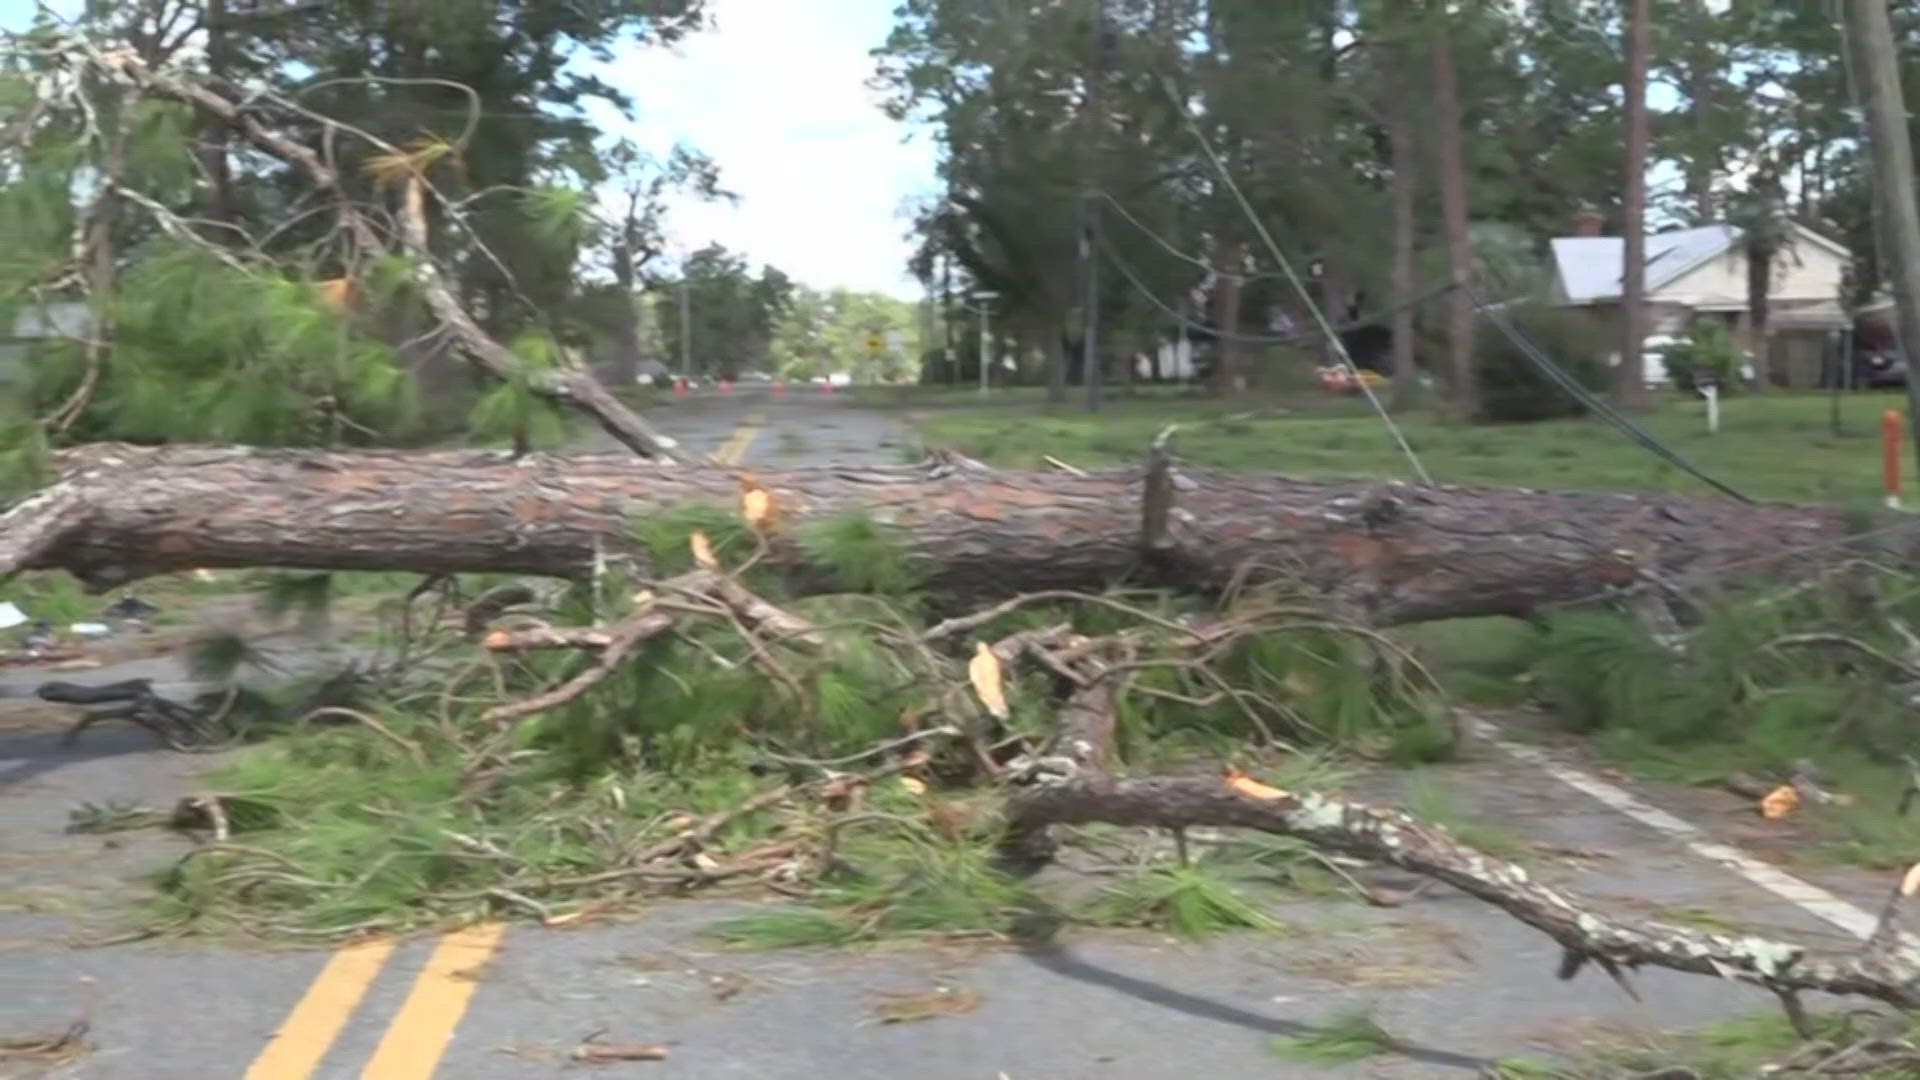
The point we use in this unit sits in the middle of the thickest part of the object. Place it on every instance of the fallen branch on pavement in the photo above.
(1073, 785)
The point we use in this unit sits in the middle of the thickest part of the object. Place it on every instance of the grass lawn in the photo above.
(1779, 446)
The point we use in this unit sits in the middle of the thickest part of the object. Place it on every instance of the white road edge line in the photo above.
(1811, 898)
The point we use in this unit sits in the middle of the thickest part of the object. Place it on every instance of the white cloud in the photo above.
(776, 92)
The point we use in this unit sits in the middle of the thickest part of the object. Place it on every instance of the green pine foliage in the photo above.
(1347, 1037)
(513, 411)
(862, 554)
(897, 878)
(1190, 901)
(668, 536)
(202, 351)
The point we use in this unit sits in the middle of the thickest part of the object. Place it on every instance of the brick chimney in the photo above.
(1588, 222)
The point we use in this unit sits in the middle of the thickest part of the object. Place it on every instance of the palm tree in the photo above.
(1766, 237)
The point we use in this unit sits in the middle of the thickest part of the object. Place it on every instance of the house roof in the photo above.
(1589, 267)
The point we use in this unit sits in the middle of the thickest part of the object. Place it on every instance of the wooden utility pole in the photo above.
(1632, 386)
(1871, 34)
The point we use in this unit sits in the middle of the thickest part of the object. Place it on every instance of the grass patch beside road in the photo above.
(1780, 446)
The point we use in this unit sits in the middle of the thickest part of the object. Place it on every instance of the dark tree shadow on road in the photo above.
(1065, 963)
(30, 754)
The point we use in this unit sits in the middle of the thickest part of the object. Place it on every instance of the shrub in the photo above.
(1512, 389)
(1708, 355)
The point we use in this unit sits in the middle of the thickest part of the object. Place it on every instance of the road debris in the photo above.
(592, 1052)
(902, 1008)
(53, 1050)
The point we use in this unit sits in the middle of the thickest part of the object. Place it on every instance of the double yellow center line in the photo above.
(417, 1037)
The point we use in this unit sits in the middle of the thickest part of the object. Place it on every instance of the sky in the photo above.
(775, 92)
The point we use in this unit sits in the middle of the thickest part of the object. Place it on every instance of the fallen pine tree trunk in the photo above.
(1388, 553)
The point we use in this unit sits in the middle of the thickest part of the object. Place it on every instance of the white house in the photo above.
(1702, 271)
(32, 324)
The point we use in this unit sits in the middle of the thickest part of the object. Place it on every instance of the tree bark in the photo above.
(1384, 552)
(1632, 384)
(1402, 193)
(1228, 260)
(1074, 784)
(214, 133)
(624, 370)
(1448, 140)
(1759, 258)
(1701, 73)
(1885, 968)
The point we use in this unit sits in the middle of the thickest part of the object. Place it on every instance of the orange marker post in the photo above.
(1890, 455)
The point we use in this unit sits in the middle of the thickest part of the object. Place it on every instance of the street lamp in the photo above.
(982, 299)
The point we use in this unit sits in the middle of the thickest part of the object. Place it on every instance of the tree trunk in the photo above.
(1632, 380)
(1704, 162)
(1759, 313)
(1386, 553)
(1336, 300)
(625, 368)
(1448, 139)
(1228, 258)
(1402, 193)
(214, 132)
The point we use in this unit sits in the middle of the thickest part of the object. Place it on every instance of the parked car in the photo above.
(1879, 368)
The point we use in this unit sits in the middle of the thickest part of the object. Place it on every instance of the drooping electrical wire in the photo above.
(1133, 278)
(1279, 257)
(1496, 314)
(1174, 250)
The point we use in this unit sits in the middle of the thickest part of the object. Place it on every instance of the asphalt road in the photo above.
(1455, 981)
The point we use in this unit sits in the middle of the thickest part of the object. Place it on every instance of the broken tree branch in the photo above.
(623, 638)
(1075, 786)
(1887, 970)
(567, 385)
